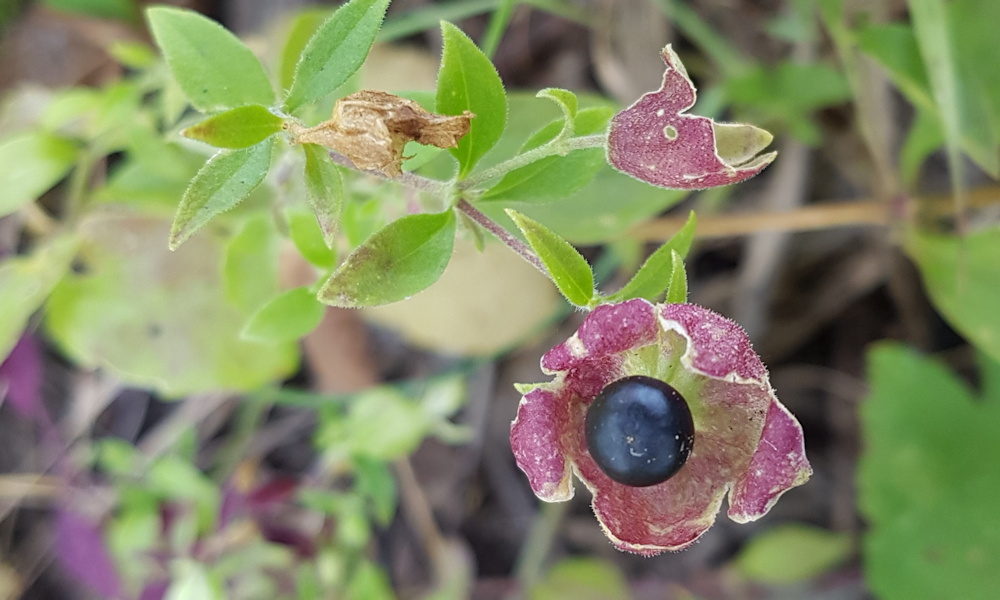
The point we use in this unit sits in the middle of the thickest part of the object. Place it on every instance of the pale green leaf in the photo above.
(961, 275)
(240, 127)
(927, 486)
(249, 264)
(225, 181)
(324, 191)
(677, 293)
(569, 270)
(158, 319)
(287, 317)
(793, 553)
(397, 261)
(582, 579)
(25, 283)
(213, 67)
(32, 163)
(467, 81)
(335, 51)
(305, 233)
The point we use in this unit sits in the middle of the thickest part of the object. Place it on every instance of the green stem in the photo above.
(531, 561)
(556, 146)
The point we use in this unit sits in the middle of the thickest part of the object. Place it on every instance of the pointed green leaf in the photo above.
(961, 275)
(399, 260)
(565, 99)
(567, 103)
(335, 51)
(793, 553)
(25, 283)
(225, 181)
(324, 190)
(677, 293)
(32, 163)
(555, 177)
(240, 127)
(213, 67)
(308, 239)
(652, 277)
(467, 80)
(159, 319)
(249, 264)
(569, 270)
(301, 30)
(287, 317)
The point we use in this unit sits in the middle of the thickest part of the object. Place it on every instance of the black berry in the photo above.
(639, 431)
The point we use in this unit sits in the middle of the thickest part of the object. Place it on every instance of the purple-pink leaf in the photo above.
(655, 141)
(21, 376)
(746, 443)
(81, 550)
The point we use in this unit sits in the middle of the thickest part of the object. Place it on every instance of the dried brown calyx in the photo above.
(371, 128)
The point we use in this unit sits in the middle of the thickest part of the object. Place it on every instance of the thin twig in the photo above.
(827, 215)
(522, 249)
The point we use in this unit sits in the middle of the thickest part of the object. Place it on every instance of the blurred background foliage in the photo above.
(192, 424)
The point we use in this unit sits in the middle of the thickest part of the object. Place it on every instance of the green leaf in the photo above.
(32, 163)
(374, 479)
(399, 260)
(225, 181)
(960, 274)
(793, 553)
(190, 580)
(301, 30)
(677, 293)
(159, 319)
(555, 177)
(950, 91)
(308, 239)
(582, 579)
(25, 283)
(926, 485)
(565, 99)
(335, 51)
(324, 190)
(237, 128)
(467, 80)
(249, 264)
(652, 279)
(381, 424)
(287, 317)
(569, 270)
(214, 68)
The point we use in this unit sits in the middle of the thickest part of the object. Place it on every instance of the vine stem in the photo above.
(522, 249)
(556, 146)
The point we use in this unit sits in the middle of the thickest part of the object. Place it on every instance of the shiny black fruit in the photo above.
(639, 431)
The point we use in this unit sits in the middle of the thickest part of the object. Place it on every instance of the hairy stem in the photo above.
(515, 244)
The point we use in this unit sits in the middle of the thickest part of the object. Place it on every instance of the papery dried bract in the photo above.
(372, 128)
(655, 141)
